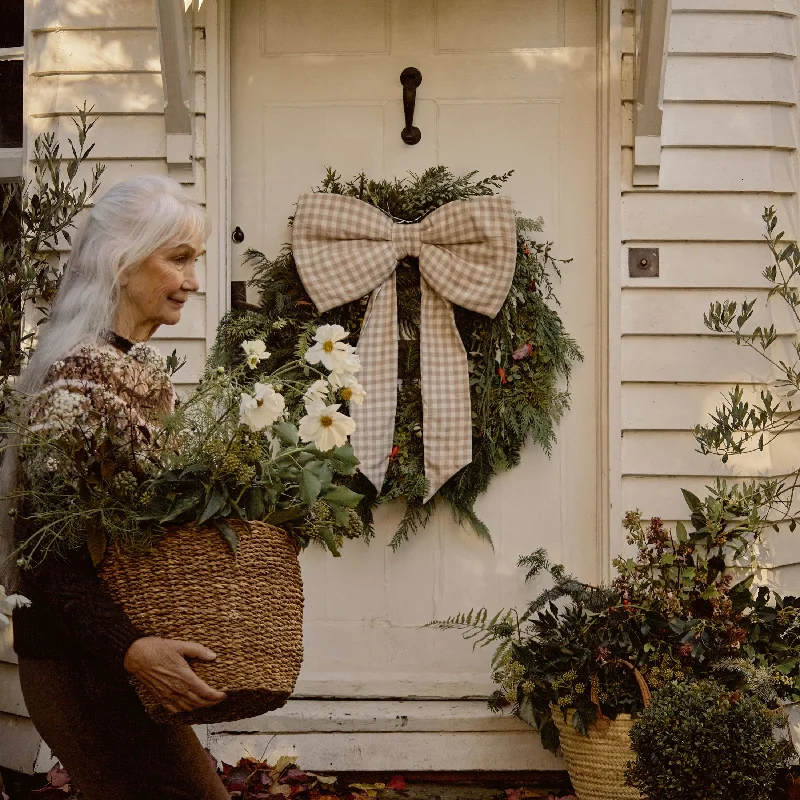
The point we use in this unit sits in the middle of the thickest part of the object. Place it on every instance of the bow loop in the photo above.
(345, 249)
(407, 239)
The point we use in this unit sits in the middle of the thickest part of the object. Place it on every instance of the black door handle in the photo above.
(237, 235)
(410, 77)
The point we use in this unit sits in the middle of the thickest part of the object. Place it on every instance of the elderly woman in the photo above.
(131, 270)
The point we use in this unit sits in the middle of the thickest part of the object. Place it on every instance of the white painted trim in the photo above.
(12, 53)
(12, 162)
(610, 249)
(218, 163)
(175, 32)
(652, 37)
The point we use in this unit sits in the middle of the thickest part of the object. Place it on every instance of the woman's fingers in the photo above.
(162, 665)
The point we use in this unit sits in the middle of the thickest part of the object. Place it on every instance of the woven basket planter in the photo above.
(247, 608)
(596, 763)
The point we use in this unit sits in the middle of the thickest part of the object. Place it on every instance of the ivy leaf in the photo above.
(340, 515)
(330, 541)
(344, 460)
(286, 515)
(310, 486)
(343, 496)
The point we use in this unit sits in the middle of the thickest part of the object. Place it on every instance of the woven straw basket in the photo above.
(596, 763)
(247, 608)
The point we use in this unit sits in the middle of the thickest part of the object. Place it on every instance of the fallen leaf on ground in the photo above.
(370, 789)
(397, 783)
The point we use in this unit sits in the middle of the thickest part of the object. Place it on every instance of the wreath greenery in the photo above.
(519, 362)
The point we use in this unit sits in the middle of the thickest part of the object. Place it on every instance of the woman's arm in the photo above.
(70, 586)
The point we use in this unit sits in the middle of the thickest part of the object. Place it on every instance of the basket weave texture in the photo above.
(596, 763)
(247, 608)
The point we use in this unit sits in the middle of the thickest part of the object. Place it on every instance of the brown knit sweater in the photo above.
(71, 616)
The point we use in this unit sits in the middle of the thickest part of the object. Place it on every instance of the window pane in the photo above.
(11, 28)
(10, 103)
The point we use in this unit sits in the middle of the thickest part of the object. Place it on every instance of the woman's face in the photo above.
(154, 293)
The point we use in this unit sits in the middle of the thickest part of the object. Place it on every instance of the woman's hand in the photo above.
(161, 665)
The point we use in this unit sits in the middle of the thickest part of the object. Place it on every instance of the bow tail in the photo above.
(377, 349)
(446, 407)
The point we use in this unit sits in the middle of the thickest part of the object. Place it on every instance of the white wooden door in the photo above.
(506, 84)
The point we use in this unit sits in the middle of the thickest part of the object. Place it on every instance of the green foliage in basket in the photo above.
(274, 449)
(673, 611)
(702, 740)
(518, 361)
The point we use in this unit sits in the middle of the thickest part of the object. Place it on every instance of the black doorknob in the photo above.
(237, 235)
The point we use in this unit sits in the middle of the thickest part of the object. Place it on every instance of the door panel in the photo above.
(506, 85)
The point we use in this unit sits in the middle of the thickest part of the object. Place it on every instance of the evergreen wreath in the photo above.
(517, 361)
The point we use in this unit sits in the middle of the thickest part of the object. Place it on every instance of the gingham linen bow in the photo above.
(344, 249)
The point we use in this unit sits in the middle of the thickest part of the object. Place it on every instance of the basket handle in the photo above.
(643, 687)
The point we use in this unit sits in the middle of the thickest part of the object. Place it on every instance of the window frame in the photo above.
(12, 159)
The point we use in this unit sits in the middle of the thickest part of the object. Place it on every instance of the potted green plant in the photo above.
(702, 740)
(580, 659)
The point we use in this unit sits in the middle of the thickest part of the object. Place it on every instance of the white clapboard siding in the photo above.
(55, 52)
(673, 453)
(87, 14)
(730, 79)
(721, 170)
(673, 216)
(115, 93)
(729, 136)
(727, 266)
(785, 7)
(720, 125)
(675, 406)
(729, 125)
(650, 311)
(702, 33)
(123, 169)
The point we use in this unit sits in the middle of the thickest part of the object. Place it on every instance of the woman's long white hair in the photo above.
(128, 224)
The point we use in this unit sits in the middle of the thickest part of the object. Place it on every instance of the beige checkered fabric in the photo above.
(346, 249)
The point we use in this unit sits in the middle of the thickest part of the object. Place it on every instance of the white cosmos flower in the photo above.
(8, 603)
(256, 351)
(262, 408)
(353, 392)
(329, 348)
(325, 425)
(317, 391)
(345, 373)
